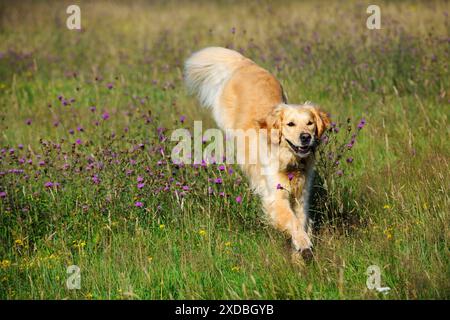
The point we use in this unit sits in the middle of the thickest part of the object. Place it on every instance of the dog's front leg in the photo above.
(284, 219)
(304, 225)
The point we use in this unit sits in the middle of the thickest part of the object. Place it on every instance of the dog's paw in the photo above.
(301, 258)
(301, 241)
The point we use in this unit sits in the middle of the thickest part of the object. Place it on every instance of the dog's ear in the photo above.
(322, 120)
(272, 123)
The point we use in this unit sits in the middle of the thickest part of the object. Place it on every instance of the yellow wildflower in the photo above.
(19, 242)
(5, 264)
(162, 226)
(80, 244)
(202, 232)
(235, 269)
(388, 233)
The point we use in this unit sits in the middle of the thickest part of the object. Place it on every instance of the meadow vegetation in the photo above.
(85, 171)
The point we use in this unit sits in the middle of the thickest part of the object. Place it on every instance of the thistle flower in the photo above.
(138, 204)
(95, 179)
(48, 184)
(239, 199)
(362, 123)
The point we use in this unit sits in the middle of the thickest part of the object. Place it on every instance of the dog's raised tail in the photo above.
(207, 71)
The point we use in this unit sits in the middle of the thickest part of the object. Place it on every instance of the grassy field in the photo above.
(86, 177)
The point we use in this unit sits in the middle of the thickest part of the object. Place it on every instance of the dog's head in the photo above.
(297, 127)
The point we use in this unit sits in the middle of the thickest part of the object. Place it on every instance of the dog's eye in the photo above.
(291, 124)
(309, 123)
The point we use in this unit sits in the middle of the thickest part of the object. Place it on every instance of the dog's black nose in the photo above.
(305, 138)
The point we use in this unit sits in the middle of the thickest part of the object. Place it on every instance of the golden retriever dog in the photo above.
(242, 95)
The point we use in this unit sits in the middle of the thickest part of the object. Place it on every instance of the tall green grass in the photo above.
(389, 208)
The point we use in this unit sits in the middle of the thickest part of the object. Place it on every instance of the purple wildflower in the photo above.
(238, 199)
(95, 179)
(138, 204)
(362, 123)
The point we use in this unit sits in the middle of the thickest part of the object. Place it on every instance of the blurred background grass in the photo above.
(203, 244)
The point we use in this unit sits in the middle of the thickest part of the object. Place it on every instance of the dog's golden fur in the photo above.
(242, 95)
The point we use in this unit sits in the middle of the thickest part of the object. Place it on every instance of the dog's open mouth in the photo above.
(302, 150)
